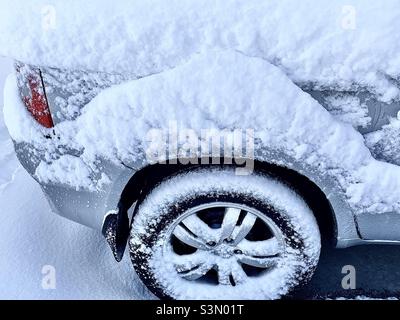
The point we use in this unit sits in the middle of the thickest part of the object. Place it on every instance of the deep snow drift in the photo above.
(338, 43)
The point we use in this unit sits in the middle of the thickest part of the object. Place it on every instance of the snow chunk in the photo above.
(385, 143)
(348, 108)
(70, 170)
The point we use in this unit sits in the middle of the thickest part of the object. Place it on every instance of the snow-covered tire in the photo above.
(211, 234)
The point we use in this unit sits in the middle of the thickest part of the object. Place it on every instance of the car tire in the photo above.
(211, 234)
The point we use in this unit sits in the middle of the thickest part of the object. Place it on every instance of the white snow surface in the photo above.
(6, 148)
(215, 89)
(338, 43)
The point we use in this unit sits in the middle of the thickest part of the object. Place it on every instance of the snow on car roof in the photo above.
(341, 43)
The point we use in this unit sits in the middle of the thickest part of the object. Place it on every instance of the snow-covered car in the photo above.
(109, 101)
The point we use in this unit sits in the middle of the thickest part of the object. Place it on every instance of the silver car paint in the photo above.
(89, 208)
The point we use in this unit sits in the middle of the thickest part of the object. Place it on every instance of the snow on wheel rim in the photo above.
(217, 233)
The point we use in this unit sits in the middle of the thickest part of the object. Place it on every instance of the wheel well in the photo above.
(145, 179)
(312, 195)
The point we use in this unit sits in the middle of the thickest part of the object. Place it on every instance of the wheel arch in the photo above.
(328, 202)
(333, 214)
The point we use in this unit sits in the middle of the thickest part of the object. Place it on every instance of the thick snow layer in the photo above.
(337, 43)
(217, 89)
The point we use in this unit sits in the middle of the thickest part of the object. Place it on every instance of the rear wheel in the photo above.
(210, 234)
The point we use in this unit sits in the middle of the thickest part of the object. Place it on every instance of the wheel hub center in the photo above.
(223, 250)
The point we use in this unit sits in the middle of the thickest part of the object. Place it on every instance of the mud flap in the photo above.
(116, 231)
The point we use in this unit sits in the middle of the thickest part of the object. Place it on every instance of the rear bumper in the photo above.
(82, 206)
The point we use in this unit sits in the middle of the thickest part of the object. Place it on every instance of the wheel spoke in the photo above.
(224, 272)
(188, 238)
(189, 261)
(228, 224)
(258, 262)
(243, 230)
(239, 276)
(196, 272)
(200, 228)
(265, 248)
(192, 266)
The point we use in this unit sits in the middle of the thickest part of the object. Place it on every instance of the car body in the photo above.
(319, 118)
(89, 208)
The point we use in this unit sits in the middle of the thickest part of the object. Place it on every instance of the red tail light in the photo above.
(33, 94)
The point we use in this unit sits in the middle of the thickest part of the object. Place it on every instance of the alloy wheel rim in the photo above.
(224, 243)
